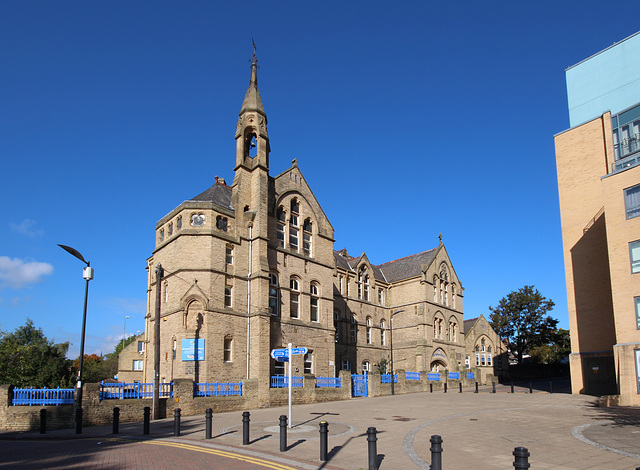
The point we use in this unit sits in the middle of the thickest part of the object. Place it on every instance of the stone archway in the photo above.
(439, 362)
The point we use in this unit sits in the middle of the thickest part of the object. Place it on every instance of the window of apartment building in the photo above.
(228, 296)
(313, 303)
(346, 365)
(274, 295)
(281, 220)
(308, 363)
(294, 299)
(383, 332)
(632, 201)
(634, 255)
(293, 225)
(221, 223)
(137, 364)
(307, 237)
(228, 349)
(140, 347)
(626, 133)
(353, 329)
(637, 302)
(368, 330)
(229, 255)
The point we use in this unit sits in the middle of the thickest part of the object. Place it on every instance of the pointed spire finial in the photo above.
(254, 65)
(440, 237)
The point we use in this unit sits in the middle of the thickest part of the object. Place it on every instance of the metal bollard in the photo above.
(445, 387)
(283, 433)
(521, 461)
(530, 387)
(460, 383)
(176, 421)
(245, 428)
(208, 415)
(116, 420)
(430, 388)
(476, 388)
(493, 390)
(373, 448)
(79, 420)
(147, 418)
(550, 387)
(436, 452)
(512, 386)
(324, 431)
(43, 421)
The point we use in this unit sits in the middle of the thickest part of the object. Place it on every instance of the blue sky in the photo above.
(408, 119)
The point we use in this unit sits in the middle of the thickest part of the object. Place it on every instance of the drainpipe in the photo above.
(251, 216)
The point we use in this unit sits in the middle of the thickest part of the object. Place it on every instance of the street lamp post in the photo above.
(87, 274)
(393, 392)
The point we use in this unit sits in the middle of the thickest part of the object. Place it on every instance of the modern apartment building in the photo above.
(598, 164)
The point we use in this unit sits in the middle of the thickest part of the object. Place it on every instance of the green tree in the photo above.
(382, 366)
(28, 358)
(111, 359)
(521, 318)
(554, 352)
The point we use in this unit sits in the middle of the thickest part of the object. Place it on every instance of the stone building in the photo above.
(486, 353)
(131, 361)
(246, 267)
(598, 163)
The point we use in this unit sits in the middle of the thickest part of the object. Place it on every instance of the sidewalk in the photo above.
(479, 431)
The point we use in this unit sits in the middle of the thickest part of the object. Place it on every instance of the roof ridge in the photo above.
(408, 256)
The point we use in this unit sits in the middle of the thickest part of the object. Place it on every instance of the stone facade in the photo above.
(131, 361)
(245, 268)
(486, 354)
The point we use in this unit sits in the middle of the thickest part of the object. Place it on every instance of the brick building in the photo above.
(598, 163)
(246, 267)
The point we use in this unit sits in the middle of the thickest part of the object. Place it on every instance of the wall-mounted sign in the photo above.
(193, 349)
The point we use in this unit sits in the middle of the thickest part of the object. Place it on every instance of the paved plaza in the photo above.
(479, 431)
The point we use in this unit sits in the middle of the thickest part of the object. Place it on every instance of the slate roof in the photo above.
(468, 324)
(219, 194)
(408, 267)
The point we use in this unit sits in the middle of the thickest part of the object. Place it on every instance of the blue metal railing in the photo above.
(471, 375)
(217, 389)
(386, 378)
(42, 396)
(412, 375)
(328, 382)
(454, 375)
(433, 376)
(281, 381)
(120, 391)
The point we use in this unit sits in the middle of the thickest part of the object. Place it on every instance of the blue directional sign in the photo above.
(282, 359)
(299, 350)
(284, 352)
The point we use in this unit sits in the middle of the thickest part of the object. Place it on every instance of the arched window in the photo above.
(294, 226)
(368, 331)
(294, 298)
(383, 332)
(366, 367)
(363, 284)
(281, 220)
(313, 312)
(353, 329)
(489, 357)
(274, 295)
(228, 348)
(477, 355)
(336, 325)
(307, 237)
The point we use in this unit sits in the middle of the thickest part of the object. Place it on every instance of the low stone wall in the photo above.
(378, 389)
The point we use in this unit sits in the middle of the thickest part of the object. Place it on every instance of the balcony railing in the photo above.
(625, 163)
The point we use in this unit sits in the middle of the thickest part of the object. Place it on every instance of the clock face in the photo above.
(197, 220)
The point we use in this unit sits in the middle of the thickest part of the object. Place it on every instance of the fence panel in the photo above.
(454, 375)
(42, 396)
(328, 382)
(359, 385)
(136, 390)
(217, 389)
(281, 381)
(471, 375)
(412, 375)
(433, 376)
(386, 378)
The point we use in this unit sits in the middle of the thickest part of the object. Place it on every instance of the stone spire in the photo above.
(252, 100)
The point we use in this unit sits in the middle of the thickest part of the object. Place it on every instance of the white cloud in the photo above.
(26, 228)
(17, 273)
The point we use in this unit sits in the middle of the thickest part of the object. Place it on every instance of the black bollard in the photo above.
(373, 448)
(43, 421)
(431, 388)
(550, 387)
(79, 420)
(208, 415)
(476, 388)
(176, 421)
(460, 383)
(512, 386)
(445, 387)
(436, 452)
(283, 433)
(245, 428)
(530, 387)
(521, 461)
(116, 420)
(147, 417)
(493, 390)
(324, 431)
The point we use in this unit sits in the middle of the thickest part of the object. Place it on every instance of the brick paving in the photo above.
(479, 431)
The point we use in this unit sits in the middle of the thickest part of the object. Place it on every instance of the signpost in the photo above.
(283, 355)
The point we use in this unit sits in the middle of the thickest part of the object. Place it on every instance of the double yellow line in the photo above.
(222, 453)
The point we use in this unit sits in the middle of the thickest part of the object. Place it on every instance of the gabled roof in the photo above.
(408, 267)
(470, 323)
(219, 194)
